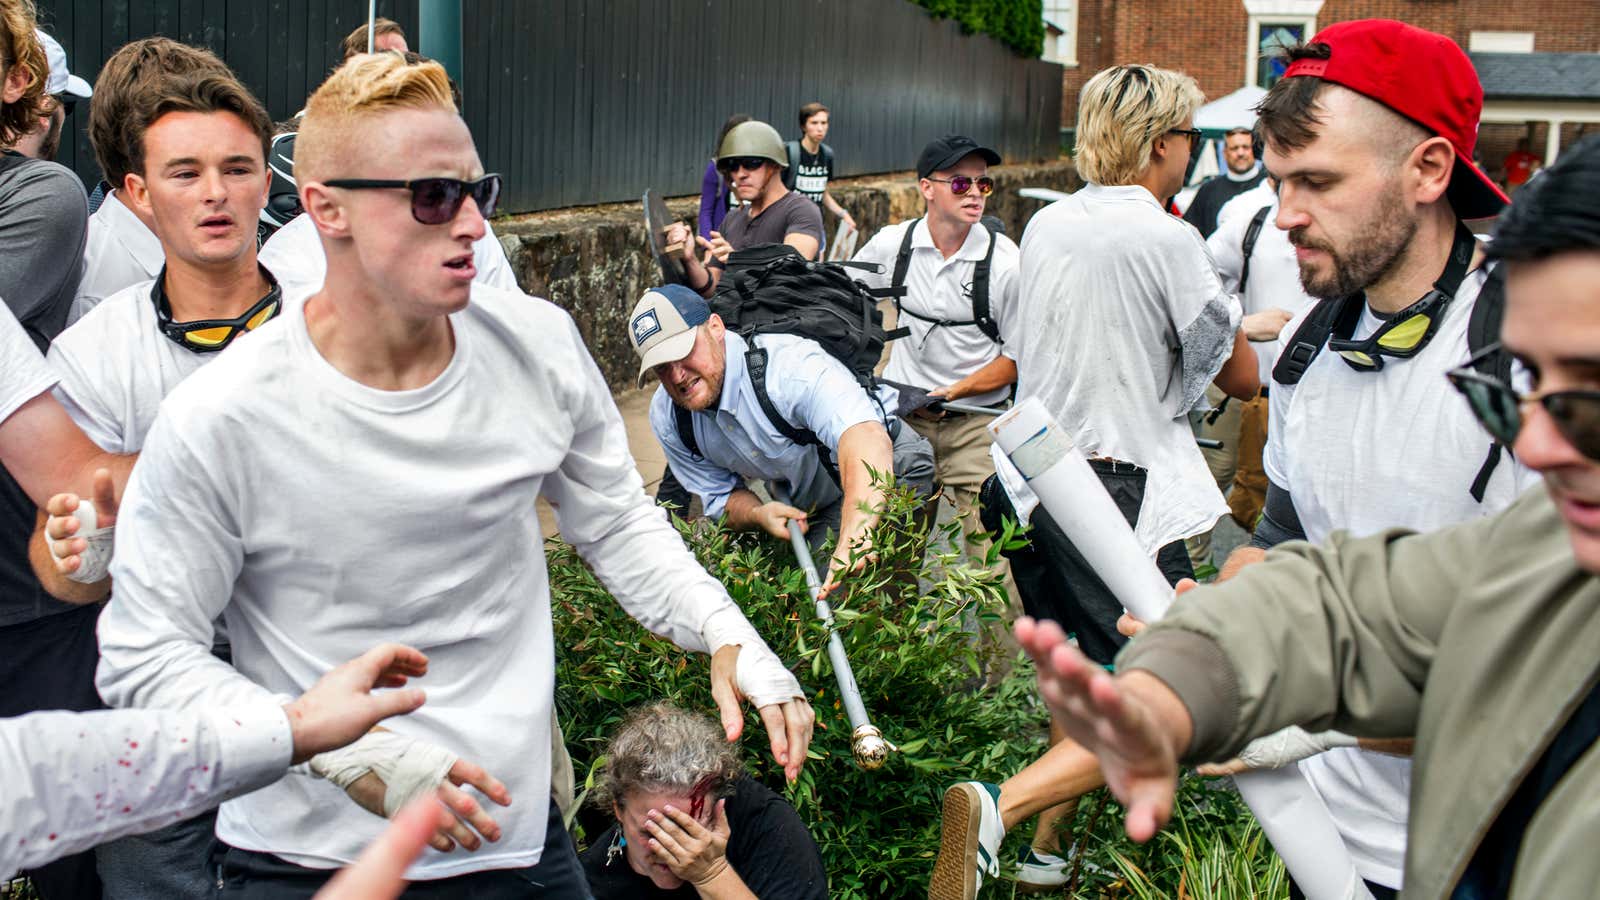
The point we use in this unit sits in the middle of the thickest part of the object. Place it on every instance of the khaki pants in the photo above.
(1249, 493)
(960, 459)
(1222, 423)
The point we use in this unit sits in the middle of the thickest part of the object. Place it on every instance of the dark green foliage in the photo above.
(1019, 24)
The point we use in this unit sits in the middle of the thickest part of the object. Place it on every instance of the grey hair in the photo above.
(662, 749)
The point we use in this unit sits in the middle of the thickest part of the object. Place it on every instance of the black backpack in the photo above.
(981, 319)
(1483, 330)
(1252, 233)
(772, 289)
(283, 197)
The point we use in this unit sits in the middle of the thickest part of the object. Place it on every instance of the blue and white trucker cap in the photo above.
(662, 325)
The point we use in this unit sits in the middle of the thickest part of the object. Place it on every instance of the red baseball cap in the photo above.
(1420, 75)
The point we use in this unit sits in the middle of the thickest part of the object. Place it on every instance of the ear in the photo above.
(1159, 149)
(15, 85)
(1432, 161)
(325, 208)
(716, 327)
(926, 187)
(138, 193)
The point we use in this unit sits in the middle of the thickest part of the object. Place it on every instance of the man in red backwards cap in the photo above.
(1370, 136)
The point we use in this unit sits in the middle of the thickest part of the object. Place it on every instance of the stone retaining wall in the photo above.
(593, 261)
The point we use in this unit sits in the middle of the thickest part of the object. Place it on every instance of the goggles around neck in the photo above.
(1407, 332)
(211, 335)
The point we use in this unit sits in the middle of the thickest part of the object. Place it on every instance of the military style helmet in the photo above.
(754, 139)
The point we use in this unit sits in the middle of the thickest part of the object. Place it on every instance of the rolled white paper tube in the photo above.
(1291, 814)
(1078, 502)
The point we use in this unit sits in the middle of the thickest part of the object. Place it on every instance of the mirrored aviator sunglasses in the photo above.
(1498, 407)
(434, 201)
(960, 184)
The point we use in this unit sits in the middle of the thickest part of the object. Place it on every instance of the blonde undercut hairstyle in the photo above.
(20, 47)
(1121, 113)
(366, 86)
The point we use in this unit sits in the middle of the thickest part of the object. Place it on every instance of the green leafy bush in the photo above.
(923, 681)
(1019, 24)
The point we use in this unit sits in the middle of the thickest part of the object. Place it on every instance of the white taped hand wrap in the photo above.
(1292, 744)
(408, 768)
(762, 678)
(94, 563)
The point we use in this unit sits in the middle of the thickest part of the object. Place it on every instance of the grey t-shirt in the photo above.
(790, 214)
(43, 219)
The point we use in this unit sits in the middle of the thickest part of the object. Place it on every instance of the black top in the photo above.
(1208, 200)
(769, 847)
(813, 171)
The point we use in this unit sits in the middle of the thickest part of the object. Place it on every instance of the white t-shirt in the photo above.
(23, 373)
(939, 288)
(321, 517)
(1113, 289)
(295, 256)
(119, 251)
(115, 367)
(1274, 273)
(1366, 451)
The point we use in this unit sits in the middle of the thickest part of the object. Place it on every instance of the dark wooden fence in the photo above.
(282, 49)
(590, 101)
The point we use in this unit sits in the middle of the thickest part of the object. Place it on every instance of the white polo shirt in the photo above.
(295, 257)
(1274, 272)
(119, 251)
(1367, 451)
(940, 288)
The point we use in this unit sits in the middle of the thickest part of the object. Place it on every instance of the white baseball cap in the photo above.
(61, 80)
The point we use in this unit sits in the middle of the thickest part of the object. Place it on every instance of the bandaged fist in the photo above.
(80, 534)
(384, 772)
(692, 851)
(1279, 749)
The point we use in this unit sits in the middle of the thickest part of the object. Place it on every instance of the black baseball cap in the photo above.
(942, 153)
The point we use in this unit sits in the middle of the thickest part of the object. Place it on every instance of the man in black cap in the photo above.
(960, 282)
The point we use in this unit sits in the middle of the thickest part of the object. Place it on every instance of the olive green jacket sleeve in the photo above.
(1335, 636)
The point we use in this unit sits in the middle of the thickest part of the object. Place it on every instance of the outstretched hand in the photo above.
(341, 707)
(1134, 723)
(789, 724)
(380, 872)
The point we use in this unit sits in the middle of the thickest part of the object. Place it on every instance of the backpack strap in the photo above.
(685, 422)
(1483, 331)
(1251, 234)
(902, 263)
(755, 361)
(1307, 341)
(792, 150)
(980, 294)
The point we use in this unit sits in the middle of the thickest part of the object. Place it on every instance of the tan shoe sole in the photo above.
(954, 871)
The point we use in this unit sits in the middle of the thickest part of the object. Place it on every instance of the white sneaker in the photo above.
(969, 841)
(1038, 871)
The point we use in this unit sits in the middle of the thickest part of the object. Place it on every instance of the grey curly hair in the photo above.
(664, 749)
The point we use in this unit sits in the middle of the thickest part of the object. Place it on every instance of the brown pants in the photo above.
(1249, 492)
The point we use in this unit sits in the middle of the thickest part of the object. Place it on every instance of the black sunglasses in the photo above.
(735, 163)
(1498, 406)
(1194, 134)
(435, 201)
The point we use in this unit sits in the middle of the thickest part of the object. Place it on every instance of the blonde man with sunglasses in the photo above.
(368, 464)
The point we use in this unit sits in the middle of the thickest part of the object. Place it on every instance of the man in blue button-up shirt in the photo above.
(702, 369)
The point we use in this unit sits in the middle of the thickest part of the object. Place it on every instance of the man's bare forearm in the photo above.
(864, 448)
(739, 512)
(1238, 559)
(1000, 372)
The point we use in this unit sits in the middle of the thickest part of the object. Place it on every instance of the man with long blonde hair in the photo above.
(350, 469)
(1122, 323)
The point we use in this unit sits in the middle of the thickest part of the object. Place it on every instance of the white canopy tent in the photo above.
(1236, 110)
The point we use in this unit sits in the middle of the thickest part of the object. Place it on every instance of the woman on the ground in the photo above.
(690, 823)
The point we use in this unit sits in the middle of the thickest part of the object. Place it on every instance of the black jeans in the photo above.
(49, 664)
(247, 875)
(1055, 581)
(1379, 892)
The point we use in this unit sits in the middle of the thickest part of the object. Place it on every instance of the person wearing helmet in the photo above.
(752, 158)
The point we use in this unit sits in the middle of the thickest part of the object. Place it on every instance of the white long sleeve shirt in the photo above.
(319, 516)
(74, 780)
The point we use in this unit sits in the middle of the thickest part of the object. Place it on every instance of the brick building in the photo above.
(1220, 43)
